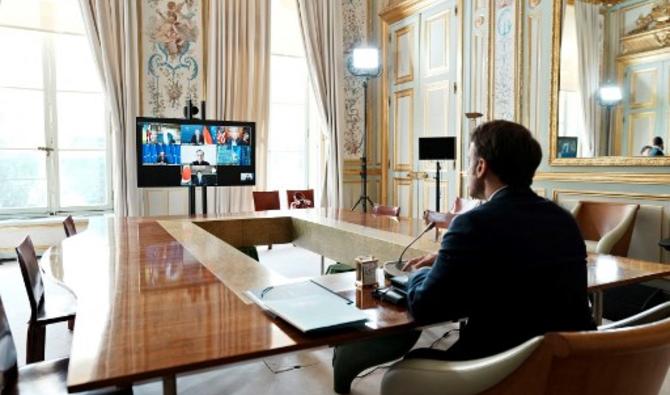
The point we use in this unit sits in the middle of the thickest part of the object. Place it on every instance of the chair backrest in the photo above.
(32, 278)
(622, 361)
(442, 220)
(595, 219)
(68, 225)
(300, 198)
(8, 361)
(386, 210)
(266, 200)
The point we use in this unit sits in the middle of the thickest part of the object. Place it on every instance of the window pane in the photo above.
(83, 178)
(23, 179)
(286, 170)
(287, 131)
(81, 120)
(285, 37)
(22, 65)
(75, 68)
(21, 118)
(288, 80)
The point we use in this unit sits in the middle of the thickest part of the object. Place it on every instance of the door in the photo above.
(422, 78)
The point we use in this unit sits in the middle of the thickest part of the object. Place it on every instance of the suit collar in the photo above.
(509, 191)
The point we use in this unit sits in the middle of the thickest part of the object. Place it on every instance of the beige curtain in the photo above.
(590, 41)
(321, 25)
(112, 32)
(238, 77)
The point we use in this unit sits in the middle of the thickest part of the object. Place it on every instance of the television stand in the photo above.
(191, 200)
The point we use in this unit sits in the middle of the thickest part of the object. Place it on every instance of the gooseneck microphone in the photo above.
(426, 230)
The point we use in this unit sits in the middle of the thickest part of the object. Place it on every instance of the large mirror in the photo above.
(611, 83)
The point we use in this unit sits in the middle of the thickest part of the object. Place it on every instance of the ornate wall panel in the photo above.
(354, 33)
(171, 54)
(505, 51)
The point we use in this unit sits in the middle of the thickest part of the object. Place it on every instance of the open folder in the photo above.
(308, 306)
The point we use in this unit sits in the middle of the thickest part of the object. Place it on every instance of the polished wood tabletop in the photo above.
(161, 296)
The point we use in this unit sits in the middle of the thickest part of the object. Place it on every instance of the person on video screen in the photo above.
(197, 138)
(235, 150)
(200, 158)
(162, 158)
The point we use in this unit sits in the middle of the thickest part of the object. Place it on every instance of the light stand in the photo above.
(609, 96)
(189, 112)
(364, 63)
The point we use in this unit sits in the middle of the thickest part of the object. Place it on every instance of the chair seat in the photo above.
(51, 378)
(59, 305)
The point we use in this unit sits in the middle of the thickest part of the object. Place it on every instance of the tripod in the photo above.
(364, 198)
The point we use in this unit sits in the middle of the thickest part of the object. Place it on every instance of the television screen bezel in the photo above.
(426, 140)
(195, 121)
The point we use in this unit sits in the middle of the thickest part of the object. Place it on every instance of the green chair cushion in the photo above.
(251, 252)
(340, 268)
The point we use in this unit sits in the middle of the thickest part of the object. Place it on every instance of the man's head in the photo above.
(200, 155)
(501, 153)
(197, 132)
(658, 141)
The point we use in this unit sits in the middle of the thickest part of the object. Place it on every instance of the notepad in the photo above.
(308, 306)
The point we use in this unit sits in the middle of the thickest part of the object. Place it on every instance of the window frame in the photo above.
(53, 182)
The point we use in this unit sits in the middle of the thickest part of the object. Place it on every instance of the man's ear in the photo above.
(482, 168)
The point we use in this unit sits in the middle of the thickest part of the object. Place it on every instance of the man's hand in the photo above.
(419, 262)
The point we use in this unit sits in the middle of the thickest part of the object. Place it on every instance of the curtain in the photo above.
(238, 77)
(111, 28)
(321, 26)
(589, 45)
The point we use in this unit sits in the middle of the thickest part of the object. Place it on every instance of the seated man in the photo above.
(515, 266)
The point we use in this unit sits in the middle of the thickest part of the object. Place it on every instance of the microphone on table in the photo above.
(426, 230)
(397, 292)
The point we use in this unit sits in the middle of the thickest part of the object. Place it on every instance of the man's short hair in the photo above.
(658, 141)
(200, 151)
(510, 151)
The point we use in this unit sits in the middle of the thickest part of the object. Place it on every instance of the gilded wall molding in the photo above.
(608, 194)
(605, 178)
(612, 161)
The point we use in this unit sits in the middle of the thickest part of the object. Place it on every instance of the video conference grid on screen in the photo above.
(197, 150)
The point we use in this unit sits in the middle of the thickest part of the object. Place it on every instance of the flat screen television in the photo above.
(180, 152)
(437, 148)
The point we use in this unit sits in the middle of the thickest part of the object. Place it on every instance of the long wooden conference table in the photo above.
(157, 297)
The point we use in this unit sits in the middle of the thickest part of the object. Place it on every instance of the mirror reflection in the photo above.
(614, 78)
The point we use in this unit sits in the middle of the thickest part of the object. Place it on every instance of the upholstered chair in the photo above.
(607, 227)
(390, 211)
(616, 360)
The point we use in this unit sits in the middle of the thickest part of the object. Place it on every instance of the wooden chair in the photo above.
(300, 198)
(386, 210)
(631, 360)
(266, 200)
(263, 201)
(37, 378)
(59, 307)
(68, 225)
(607, 227)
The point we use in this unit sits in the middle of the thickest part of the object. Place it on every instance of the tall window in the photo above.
(294, 138)
(53, 125)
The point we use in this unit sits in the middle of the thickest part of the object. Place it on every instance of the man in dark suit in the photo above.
(515, 266)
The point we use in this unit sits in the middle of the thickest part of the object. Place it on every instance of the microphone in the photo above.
(426, 230)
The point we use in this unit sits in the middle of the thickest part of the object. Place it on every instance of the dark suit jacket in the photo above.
(515, 266)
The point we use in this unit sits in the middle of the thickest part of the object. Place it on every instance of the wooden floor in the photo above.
(300, 373)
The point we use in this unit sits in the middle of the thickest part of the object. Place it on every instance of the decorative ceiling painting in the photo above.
(171, 55)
